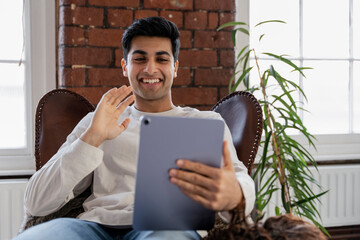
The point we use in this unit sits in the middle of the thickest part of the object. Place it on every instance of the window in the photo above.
(13, 124)
(323, 35)
(29, 25)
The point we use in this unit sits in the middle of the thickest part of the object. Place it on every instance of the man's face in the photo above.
(150, 68)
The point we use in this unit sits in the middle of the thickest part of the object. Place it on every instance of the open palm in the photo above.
(104, 125)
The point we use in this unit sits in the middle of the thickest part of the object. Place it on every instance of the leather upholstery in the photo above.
(243, 115)
(57, 114)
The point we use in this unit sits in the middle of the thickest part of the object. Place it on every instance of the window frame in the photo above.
(40, 51)
(329, 147)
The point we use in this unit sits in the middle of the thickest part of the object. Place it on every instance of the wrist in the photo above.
(92, 138)
(239, 197)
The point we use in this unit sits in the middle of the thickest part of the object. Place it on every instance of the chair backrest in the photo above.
(57, 114)
(60, 110)
(243, 115)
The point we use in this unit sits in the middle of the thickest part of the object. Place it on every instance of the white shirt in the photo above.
(113, 165)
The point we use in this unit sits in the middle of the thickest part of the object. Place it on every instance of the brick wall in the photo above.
(89, 49)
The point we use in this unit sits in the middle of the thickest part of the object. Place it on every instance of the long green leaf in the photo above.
(240, 79)
(269, 21)
(280, 80)
(242, 51)
(233, 37)
(230, 24)
(310, 198)
(287, 61)
(243, 30)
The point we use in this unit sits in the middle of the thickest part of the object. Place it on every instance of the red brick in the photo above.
(87, 16)
(169, 4)
(183, 77)
(105, 37)
(198, 58)
(85, 56)
(212, 39)
(120, 17)
(93, 94)
(77, 2)
(213, 21)
(195, 20)
(226, 17)
(223, 92)
(223, 5)
(118, 56)
(174, 16)
(194, 96)
(71, 77)
(115, 3)
(81, 16)
(227, 58)
(72, 35)
(185, 39)
(215, 77)
(145, 13)
(106, 77)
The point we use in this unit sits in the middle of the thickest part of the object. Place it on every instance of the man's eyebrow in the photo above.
(139, 52)
(162, 53)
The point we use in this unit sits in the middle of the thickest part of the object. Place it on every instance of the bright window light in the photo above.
(12, 76)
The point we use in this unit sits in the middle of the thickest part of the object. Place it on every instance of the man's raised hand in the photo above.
(104, 125)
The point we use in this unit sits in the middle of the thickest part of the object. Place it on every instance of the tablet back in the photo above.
(160, 205)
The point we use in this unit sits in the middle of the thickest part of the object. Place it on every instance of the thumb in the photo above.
(226, 156)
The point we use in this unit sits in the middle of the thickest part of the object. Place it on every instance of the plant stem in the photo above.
(275, 143)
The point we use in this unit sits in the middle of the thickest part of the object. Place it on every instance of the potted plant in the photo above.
(284, 162)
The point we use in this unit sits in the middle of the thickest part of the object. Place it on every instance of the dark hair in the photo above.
(152, 27)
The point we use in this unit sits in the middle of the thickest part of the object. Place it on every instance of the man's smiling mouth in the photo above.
(150, 80)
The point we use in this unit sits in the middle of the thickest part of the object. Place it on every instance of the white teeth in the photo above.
(151, 81)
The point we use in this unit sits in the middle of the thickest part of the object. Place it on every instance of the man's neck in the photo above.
(153, 106)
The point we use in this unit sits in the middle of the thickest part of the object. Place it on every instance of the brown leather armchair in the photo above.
(60, 110)
(243, 115)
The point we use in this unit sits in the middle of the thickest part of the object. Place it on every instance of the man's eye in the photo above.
(139, 59)
(163, 60)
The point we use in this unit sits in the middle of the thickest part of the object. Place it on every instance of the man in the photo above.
(102, 151)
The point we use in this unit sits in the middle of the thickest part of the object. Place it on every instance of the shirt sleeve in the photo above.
(246, 182)
(65, 175)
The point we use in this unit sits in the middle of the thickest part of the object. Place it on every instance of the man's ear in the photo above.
(176, 68)
(124, 67)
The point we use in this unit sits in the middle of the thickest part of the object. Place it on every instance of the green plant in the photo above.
(283, 160)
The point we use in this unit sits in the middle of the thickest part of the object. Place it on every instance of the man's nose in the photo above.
(150, 67)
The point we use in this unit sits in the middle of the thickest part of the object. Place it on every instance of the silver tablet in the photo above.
(160, 205)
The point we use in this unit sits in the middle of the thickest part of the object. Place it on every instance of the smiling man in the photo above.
(151, 68)
(102, 151)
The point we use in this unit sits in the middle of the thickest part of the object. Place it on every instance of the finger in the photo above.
(191, 188)
(194, 178)
(226, 156)
(129, 100)
(197, 167)
(123, 126)
(204, 201)
(120, 94)
(108, 95)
